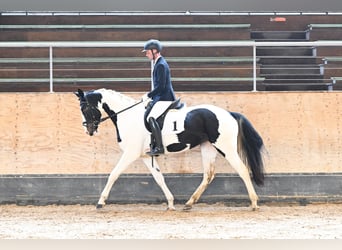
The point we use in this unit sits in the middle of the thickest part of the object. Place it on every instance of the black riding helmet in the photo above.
(152, 44)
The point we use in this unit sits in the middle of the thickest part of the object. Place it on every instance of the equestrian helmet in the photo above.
(152, 44)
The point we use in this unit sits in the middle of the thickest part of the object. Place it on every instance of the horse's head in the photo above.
(90, 108)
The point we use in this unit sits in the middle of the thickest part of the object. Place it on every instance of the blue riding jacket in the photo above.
(162, 85)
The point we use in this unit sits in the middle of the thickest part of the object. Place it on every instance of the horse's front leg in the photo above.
(126, 159)
(159, 178)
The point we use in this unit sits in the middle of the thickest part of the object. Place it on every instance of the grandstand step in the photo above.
(126, 73)
(297, 86)
(332, 59)
(293, 82)
(298, 81)
(289, 60)
(290, 69)
(186, 34)
(225, 51)
(325, 31)
(285, 51)
(279, 35)
(336, 79)
(293, 76)
(124, 26)
(198, 59)
(132, 79)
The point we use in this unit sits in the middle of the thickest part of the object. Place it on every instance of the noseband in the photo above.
(90, 113)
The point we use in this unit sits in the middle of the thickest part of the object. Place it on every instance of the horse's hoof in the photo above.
(99, 206)
(171, 209)
(256, 208)
(187, 208)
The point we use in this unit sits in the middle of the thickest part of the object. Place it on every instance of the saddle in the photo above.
(160, 110)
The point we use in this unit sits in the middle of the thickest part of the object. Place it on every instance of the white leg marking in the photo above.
(159, 178)
(243, 172)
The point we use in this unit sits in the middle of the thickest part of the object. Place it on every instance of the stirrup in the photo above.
(155, 152)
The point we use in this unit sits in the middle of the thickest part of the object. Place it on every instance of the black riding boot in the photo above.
(157, 147)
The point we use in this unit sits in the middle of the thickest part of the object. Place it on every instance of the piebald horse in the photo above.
(214, 129)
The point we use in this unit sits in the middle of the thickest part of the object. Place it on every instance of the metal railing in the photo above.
(139, 44)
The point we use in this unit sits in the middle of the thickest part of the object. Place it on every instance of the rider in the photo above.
(162, 90)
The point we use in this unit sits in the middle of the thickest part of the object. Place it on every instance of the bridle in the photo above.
(90, 111)
(111, 114)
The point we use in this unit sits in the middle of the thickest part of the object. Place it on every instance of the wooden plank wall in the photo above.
(41, 133)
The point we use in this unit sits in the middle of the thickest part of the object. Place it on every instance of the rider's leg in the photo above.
(156, 134)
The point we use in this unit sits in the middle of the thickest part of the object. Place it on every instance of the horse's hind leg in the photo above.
(159, 178)
(236, 162)
(208, 158)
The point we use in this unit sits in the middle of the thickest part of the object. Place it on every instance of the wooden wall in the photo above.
(41, 133)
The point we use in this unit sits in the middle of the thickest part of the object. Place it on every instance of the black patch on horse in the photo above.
(176, 147)
(93, 98)
(200, 125)
(89, 104)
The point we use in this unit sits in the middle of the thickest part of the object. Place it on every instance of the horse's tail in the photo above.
(250, 147)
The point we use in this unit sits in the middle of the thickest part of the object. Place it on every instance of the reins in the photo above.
(114, 116)
(116, 113)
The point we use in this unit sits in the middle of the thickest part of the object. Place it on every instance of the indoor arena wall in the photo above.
(42, 133)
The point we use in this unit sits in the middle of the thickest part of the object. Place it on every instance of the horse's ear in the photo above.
(79, 93)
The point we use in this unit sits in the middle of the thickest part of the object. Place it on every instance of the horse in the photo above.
(210, 127)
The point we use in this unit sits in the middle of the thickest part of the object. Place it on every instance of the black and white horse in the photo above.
(212, 128)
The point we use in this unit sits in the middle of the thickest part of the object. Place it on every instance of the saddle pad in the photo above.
(158, 109)
(174, 122)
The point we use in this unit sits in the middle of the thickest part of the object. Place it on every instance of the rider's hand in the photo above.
(145, 97)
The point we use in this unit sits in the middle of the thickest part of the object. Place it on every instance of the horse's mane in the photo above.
(123, 98)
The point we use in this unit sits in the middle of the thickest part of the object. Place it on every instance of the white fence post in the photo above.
(51, 68)
(254, 69)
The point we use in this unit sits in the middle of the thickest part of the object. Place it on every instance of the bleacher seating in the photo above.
(189, 73)
(325, 31)
(123, 32)
(332, 55)
(333, 70)
(127, 69)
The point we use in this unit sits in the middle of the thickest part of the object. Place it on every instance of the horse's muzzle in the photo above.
(91, 130)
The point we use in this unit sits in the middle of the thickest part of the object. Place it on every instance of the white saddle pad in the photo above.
(158, 109)
(174, 120)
